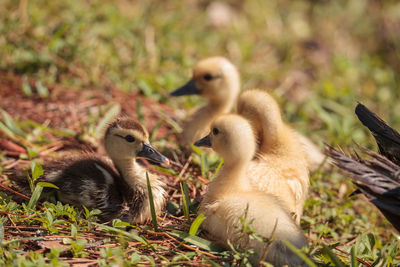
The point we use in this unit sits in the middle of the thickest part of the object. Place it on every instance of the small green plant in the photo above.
(77, 246)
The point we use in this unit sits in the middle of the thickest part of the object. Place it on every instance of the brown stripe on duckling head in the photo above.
(129, 124)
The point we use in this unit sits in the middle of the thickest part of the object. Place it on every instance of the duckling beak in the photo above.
(149, 152)
(188, 89)
(205, 141)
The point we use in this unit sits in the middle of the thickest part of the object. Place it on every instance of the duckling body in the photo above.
(117, 187)
(218, 80)
(230, 194)
(280, 167)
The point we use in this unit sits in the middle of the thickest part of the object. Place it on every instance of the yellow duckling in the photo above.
(280, 167)
(230, 194)
(118, 188)
(218, 80)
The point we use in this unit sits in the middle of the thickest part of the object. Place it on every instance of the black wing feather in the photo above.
(377, 178)
(387, 138)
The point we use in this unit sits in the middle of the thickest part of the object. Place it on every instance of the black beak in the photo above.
(205, 141)
(149, 152)
(188, 89)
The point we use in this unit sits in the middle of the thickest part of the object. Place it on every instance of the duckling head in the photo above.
(128, 139)
(215, 78)
(231, 136)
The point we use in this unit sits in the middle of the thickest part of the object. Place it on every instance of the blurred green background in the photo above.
(318, 57)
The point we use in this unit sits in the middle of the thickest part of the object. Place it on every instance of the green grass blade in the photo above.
(26, 88)
(299, 253)
(6, 130)
(152, 209)
(197, 241)
(203, 164)
(177, 128)
(353, 257)
(42, 90)
(139, 112)
(35, 197)
(131, 235)
(11, 124)
(218, 168)
(37, 170)
(196, 224)
(46, 184)
(196, 150)
(185, 200)
(1, 232)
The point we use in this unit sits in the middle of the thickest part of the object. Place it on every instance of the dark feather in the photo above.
(387, 138)
(377, 178)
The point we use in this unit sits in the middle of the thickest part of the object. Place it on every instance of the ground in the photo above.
(68, 67)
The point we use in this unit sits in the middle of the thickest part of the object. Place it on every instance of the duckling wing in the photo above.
(289, 184)
(377, 178)
(88, 182)
(387, 138)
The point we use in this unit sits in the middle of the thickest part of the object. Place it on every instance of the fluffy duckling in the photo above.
(218, 80)
(377, 177)
(280, 167)
(117, 188)
(230, 194)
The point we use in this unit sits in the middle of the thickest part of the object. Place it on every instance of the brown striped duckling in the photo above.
(280, 167)
(230, 194)
(218, 80)
(117, 187)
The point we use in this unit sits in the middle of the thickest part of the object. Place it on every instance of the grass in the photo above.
(316, 57)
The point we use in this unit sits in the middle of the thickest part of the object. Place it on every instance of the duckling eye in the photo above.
(215, 131)
(130, 138)
(207, 77)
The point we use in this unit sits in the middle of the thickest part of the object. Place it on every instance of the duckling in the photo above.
(230, 194)
(377, 177)
(117, 187)
(218, 80)
(280, 167)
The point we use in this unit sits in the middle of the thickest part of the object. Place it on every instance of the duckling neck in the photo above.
(131, 171)
(232, 178)
(274, 138)
(197, 126)
(221, 106)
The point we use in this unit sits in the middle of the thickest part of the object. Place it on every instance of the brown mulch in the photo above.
(68, 108)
